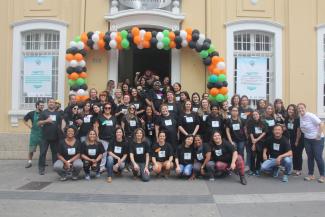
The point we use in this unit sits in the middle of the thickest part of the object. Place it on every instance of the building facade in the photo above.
(288, 34)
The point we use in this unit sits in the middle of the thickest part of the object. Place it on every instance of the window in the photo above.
(321, 70)
(39, 43)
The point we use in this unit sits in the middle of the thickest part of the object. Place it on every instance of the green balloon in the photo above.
(166, 33)
(226, 97)
(124, 34)
(211, 98)
(166, 47)
(220, 98)
(222, 78)
(77, 38)
(80, 81)
(213, 78)
(71, 82)
(125, 43)
(211, 49)
(166, 41)
(204, 54)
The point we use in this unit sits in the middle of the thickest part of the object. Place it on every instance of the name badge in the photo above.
(170, 108)
(290, 126)
(199, 156)
(228, 116)
(70, 123)
(117, 149)
(243, 116)
(236, 127)
(270, 123)
(189, 119)
(276, 146)
(71, 151)
(187, 156)
(218, 152)
(258, 130)
(168, 122)
(124, 111)
(205, 117)
(87, 118)
(133, 123)
(162, 154)
(139, 150)
(91, 152)
(53, 117)
(137, 106)
(177, 98)
(150, 132)
(195, 109)
(158, 96)
(215, 124)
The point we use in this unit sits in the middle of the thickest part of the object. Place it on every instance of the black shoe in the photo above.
(28, 165)
(243, 180)
(41, 172)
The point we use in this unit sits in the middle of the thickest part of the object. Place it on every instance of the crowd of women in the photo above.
(155, 128)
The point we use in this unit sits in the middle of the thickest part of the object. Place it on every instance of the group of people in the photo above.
(154, 128)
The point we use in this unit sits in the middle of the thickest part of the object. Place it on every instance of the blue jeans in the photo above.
(110, 164)
(270, 165)
(314, 149)
(240, 147)
(186, 170)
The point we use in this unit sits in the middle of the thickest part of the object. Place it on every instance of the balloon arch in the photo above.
(142, 39)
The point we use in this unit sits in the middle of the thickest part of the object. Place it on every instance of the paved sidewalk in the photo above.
(263, 196)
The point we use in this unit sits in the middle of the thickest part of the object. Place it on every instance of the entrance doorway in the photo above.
(136, 60)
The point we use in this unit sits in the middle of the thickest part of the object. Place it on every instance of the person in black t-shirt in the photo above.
(184, 158)
(155, 97)
(202, 153)
(50, 122)
(117, 154)
(189, 122)
(92, 154)
(87, 122)
(280, 154)
(68, 156)
(162, 156)
(214, 122)
(139, 155)
(149, 125)
(130, 122)
(225, 158)
(269, 120)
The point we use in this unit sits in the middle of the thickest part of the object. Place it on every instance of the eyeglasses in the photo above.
(107, 108)
(75, 108)
(132, 108)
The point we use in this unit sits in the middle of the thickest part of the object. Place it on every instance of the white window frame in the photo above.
(256, 25)
(320, 70)
(18, 28)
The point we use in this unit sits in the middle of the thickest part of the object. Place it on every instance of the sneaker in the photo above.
(28, 165)
(257, 173)
(63, 178)
(87, 177)
(243, 180)
(109, 180)
(251, 173)
(321, 180)
(309, 178)
(41, 172)
(97, 175)
(211, 179)
(285, 178)
(75, 178)
(276, 172)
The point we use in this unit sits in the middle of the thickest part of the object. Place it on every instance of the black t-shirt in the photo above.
(87, 124)
(256, 128)
(68, 152)
(106, 127)
(189, 122)
(118, 148)
(222, 152)
(150, 126)
(92, 150)
(200, 153)
(270, 123)
(170, 126)
(130, 125)
(71, 120)
(162, 153)
(138, 103)
(214, 123)
(185, 155)
(245, 113)
(156, 97)
(292, 127)
(195, 107)
(50, 131)
(121, 108)
(174, 108)
(277, 147)
(139, 150)
(236, 129)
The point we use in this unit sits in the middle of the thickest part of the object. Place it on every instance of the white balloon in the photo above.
(160, 45)
(140, 46)
(73, 63)
(184, 43)
(183, 34)
(95, 46)
(113, 35)
(142, 32)
(80, 92)
(82, 63)
(73, 44)
(80, 45)
(95, 37)
(160, 36)
(201, 39)
(221, 65)
(113, 44)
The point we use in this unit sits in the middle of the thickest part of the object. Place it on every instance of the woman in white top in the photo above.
(312, 127)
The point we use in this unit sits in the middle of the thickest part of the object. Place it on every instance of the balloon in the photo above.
(211, 49)
(101, 35)
(172, 44)
(84, 37)
(166, 41)
(160, 36)
(80, 92)
(124, 34)
(223, 90)
(221, 65)
(215, 60)
(166, 33)
(73, 44)
(225, 84)
(77, 38)
(216, 71)
(172, 36)
(198, 47)
(80, 45)
(78, 57)
(205, 46)
(148, 36)
(189, 38)
(160, 45)
(220, 98)
(178, 46)
(211, 98)
(192, 44)
(70, 70)
(153, 41)
(82, 63)
(214, 91)
(213, 78)
(154, 33)
(183, 34)
(95, 47)
(73, 63)
(125, 43)
(83, 75)
(204, 54)
(90, 43)
(95, 37)
(207, 61)
(195, 31)
(113, 44)
(178, 39)
(218, 84)
(130, 37)
(142, 33)
(84, 86)
(79, 69)
(189, 31)
(80, 81)
(135, 31)
(195, 36)
(136, 40)
(184, 43)
(74, 76)
(69, 57)
(222, 78)
(118, 39)
(146, 44)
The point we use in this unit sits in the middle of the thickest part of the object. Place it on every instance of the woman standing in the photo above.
(261, 107)
(293, 133)
(235, 101)
(203, 113)
(189, 122)
(139, 155)
(312, 127)
(68, 156)
(87, 123)
(279, 111)
(149, 125)
(214, 122)
(173, 106)
(269, 120)
(118, 97)
(137, 101)
(245, 110)
(184, 158)
(195, 102)
(130, 122)
(177, 87)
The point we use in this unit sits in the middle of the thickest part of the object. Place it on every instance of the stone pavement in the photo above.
(263, 196)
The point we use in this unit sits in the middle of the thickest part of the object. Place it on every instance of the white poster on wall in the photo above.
(251, 77)
(37, 76)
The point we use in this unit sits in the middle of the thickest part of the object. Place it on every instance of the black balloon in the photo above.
(84, 87)
(177, 32)
(154, 33)
(192, 44)
(210, 85)
(207, 61)
(208, 40)
(205, 46)
(195, 31)
(195, 36)
(107, 47)
(90, 34)
(73, 50)
(178, 46)
(83, 52)
(225, 84)
(198, 47)
(178, 39)
(74, 87)
(84, 69)
(70, 70)
(214, 53)
(153, 41)
(130, 37)
(107, 38)
(78, 69)
(218, 84)
(90, 43)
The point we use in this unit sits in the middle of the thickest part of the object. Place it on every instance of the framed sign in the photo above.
(145, 4)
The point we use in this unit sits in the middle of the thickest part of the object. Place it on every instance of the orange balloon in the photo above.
(189, 37)
(211, 67)
(78, 98)
(223, 71)
(84, 37)
(101, 35)
(189, 31)
(69, 57)
(74, 76)
(135, 31)
(172, 44)
(214, 91)
(137, 39)
(172, 36)
(84, 98)
(83, 75)
(223, 90)
(101, 43)
(216, 71)
(78, 57)
(215, 60)
(147, 36)
(119, 47)
(146, 44)
(118, 39)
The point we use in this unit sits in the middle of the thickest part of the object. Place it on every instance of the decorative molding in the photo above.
(24, 22)
(256, 21)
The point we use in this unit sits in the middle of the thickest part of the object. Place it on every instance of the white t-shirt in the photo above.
(309, 125)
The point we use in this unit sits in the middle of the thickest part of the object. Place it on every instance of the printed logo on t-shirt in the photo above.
(71, 151)
(236, 127)
(218, 152)
(290, 126)
(187, 156)
(117, 149)
(162, 154)
(53, 117)
(270, 123)
(258, 130)
(177, 98)
(215, 124)
(168, 122)
(199, 156)
(276, 146)
(170, 108)
(91, 152)
(195, 109)
(87, 118)
(243, 115)
(137, 106)
(139, 150)
(133, 123)
(205, 117)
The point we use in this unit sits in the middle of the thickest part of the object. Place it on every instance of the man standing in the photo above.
(35, 137)
(280, 153)
(50, 122)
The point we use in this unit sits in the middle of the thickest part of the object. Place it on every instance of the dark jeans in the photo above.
(43, 151)
(314, 149)
(88, 166)
(297, 155)
(256, 160)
